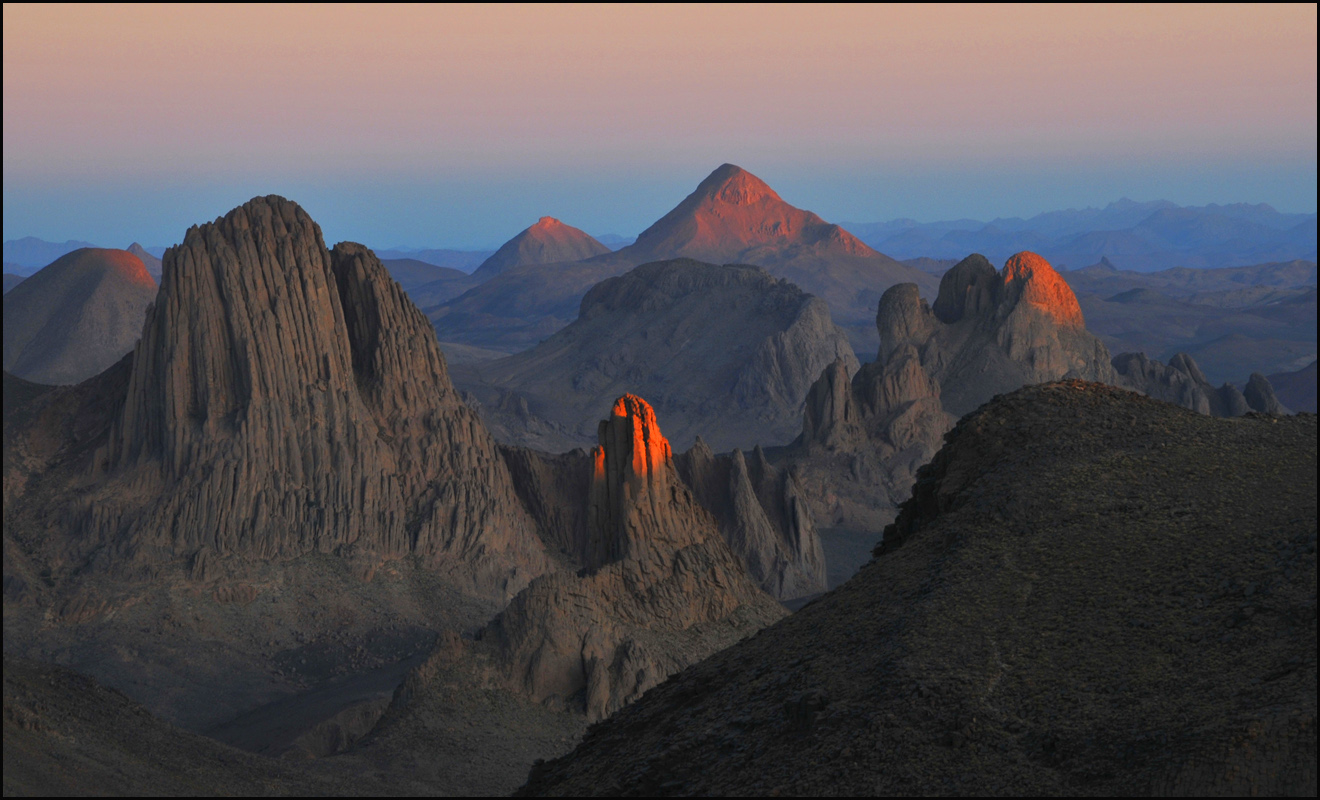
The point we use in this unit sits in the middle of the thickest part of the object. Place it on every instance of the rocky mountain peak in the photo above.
(286, 399)
(633, 437)
(1029, 278)
(735, 186)
(631, 512)
(549, 241)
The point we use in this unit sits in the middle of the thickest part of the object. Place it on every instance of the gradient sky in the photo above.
(459, 126)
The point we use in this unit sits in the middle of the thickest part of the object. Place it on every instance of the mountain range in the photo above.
(1134, 236)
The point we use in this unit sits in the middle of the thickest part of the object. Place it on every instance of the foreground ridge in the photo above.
(1089, 592)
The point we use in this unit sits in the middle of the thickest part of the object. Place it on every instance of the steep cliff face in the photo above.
(661, 589)
(286, 399)
(763, 515)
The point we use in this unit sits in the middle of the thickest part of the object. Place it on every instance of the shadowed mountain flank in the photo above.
(732, 217)
(549, 241)
(660, 588)
(1089, 592)
(284, 399)
(728, 353)
(77, 316)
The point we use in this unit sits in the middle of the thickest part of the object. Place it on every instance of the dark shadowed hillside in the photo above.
(1090, 592)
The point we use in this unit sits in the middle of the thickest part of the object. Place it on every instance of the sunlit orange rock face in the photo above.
(630, 497)
(1042, 288)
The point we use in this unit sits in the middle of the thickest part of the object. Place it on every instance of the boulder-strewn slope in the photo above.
(726, 352)
(1090, 592)
(659, 589)
(77, 316)
(731, 217)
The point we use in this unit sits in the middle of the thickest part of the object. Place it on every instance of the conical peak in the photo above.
(1029, 278)
(546, 223)
(735, 186)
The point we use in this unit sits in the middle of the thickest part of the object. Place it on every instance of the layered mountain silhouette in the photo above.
(1136, 236)
(727, 352)
(286, 430)
(1043, 619)
(732, 217)
(1234, 320)
(77, 316)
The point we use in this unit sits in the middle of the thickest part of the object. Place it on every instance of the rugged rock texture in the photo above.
(865, 433)
(731, 217)
(660, 588)
(285, 400)
(1182, 383)
(728, 352)
(77, 316)
(762, 514)
(549, 241)
(1089, 592)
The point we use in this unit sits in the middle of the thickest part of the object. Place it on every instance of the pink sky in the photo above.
(104, 92)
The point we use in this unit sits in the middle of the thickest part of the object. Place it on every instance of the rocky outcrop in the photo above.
(286, 399)
(1182, 383)
(1048, 620)
(865, 432)
(660, 588)
(728, 353)
(762, 514)
(77, 316)
(549, 241)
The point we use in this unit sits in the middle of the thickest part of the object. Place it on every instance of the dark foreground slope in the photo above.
(1091, 592)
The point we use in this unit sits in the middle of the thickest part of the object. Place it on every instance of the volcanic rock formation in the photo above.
(1089, 593)
(865, 434)
(660, 588)
(728, 352)
(762, 514)
(77, 316)
(732, 217)
(549, 241)
(1182, 383)
(284, 400)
